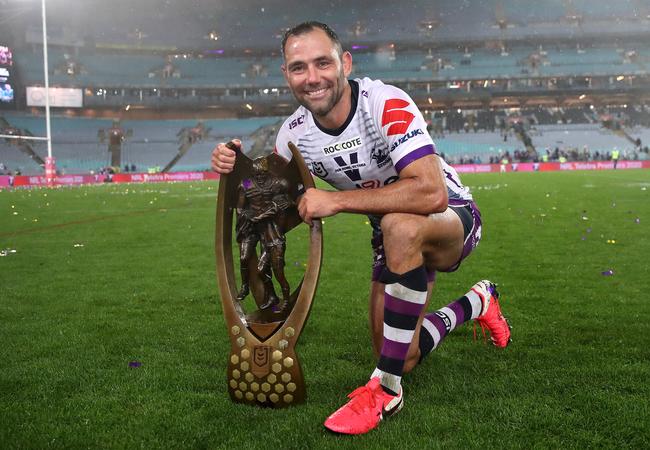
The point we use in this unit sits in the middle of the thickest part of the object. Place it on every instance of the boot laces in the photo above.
(362, 398)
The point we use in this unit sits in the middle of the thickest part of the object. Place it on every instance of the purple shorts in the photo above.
(470, 217)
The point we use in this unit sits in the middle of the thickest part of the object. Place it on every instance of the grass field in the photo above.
(95, 278)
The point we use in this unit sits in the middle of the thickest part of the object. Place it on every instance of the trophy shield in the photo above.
(261, 194)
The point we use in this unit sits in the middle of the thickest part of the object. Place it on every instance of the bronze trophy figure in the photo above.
(261, 215)
(263, 368)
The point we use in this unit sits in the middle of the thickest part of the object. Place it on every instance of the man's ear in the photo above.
(346, 58)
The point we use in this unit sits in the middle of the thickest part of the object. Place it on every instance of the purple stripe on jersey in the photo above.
(459, 312)
(414, 155)
(451, 178)
(400, 306)
(392, 349)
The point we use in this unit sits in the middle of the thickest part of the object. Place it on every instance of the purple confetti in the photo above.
(584, 238)
(607, 273)
(135, 364)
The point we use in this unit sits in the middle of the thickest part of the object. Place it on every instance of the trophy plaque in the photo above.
(261, 194)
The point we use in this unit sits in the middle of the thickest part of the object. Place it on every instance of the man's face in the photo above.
(315, 72)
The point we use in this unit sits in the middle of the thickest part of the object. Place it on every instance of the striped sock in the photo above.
(437, 325)
(404, 298)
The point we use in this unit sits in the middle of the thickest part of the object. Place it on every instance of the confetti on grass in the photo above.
(607, 273)
(135, 363)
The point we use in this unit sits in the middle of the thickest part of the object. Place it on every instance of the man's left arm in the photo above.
(421, 189)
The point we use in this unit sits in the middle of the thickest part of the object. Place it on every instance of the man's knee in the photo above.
(401, 231)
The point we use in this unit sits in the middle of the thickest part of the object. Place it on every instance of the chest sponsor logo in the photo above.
(405, 138)
(349, 167)
(344, 146)
(396, 116)
(380, 155)
(318, 169)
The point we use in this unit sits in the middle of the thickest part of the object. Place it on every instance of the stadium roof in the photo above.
(258, 24)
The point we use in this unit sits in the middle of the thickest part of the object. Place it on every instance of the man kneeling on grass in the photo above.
(369, 141)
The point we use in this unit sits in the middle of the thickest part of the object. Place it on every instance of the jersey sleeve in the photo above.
(402, 126)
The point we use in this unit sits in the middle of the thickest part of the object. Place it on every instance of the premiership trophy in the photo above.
(263, 368)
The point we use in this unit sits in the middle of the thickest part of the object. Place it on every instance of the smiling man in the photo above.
(369, 141)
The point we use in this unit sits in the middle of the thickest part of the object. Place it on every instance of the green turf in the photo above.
(105, 275)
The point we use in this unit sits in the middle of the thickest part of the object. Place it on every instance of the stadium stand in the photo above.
(592, 137)
(150, 144)
(475, 147)
(491, 77)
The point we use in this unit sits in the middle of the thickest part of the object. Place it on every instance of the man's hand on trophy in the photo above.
(317, 204)
(223, 156)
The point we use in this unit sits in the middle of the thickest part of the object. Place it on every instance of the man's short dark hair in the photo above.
(306, 27)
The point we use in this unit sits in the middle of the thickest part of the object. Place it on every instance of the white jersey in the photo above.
(385, 134)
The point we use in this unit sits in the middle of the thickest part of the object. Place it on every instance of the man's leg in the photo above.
(407, 238)
(376, 314)
(437, 325)
(481, 302)
(405, 296)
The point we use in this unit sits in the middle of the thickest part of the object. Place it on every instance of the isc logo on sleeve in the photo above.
(344, 146)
